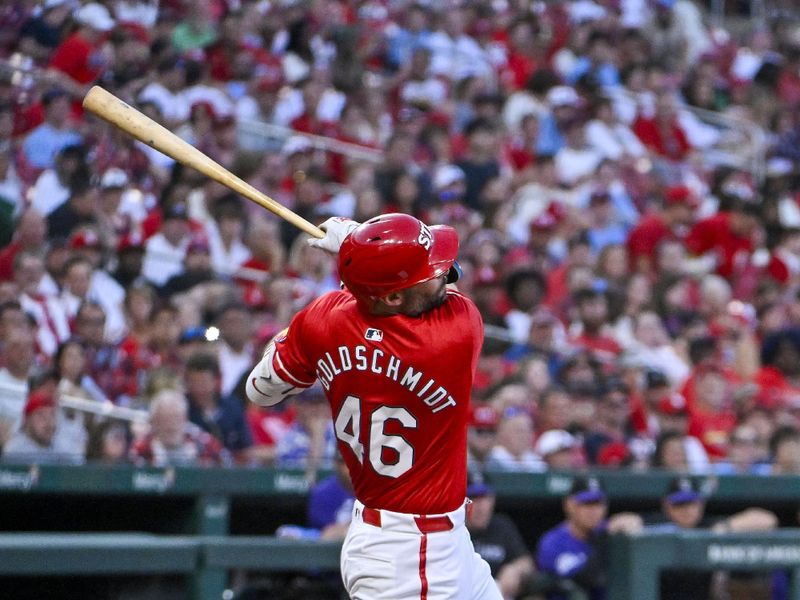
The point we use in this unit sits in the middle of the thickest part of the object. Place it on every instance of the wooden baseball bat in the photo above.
(110, 108)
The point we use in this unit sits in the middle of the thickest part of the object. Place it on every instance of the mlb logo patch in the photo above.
(374, 335)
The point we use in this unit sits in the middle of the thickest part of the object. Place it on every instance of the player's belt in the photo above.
(424, 523)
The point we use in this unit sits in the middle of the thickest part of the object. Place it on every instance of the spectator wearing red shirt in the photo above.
(522, 144)
(784, 263)
(644, 239)
(711, 416)
(29, 234)
(729, 236)
(84, 55)
(788, 85)
(592, 306)
(524, 55)
(778, 379)
(661, 133)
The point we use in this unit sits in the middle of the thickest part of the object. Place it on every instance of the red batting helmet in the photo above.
(395, 251)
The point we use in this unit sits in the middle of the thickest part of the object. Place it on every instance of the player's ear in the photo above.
(393, 299)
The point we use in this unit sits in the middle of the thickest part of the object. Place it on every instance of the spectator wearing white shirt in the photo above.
(576, 161)
(236, 350)
(514, 449)
(610, 137)
(166, 92)
(52, 188)
(36, 440)
(531, 100)
(652, 346)
(672, 415)
(52, 326)
(18, 355)
(165, 251)
(11, 187)
(455, 54)
(225, 231)
(103, 288)
(421, 88)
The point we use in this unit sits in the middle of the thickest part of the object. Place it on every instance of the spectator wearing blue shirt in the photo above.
(43, 143)
(221, 416)
(746, 454)
(563, 103)
(606, 228)
(598, 62)
(414, 34)
(330, 503)
(575, 551)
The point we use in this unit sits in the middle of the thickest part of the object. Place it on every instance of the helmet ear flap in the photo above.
(455, 273)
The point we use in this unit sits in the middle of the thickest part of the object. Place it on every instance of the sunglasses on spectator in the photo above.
(746, 440)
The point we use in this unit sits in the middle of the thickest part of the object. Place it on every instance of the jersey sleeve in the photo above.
(291, 361)
(475, 324)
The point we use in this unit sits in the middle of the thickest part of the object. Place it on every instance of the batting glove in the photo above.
(336, 229)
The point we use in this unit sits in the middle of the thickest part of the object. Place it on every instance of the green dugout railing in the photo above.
(211, 490)
(206, 560)
(635, 561)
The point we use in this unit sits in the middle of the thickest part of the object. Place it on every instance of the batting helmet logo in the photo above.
(395, 251)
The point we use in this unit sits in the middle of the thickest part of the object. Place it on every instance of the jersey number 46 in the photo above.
(348, 429)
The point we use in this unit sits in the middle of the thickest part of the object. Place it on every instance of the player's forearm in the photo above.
(264, 386)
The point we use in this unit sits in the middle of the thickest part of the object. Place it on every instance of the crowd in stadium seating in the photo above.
(636, 261)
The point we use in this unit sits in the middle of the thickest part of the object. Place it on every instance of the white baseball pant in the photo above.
(396, 556)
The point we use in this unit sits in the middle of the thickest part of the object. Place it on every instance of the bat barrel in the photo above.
(113, 110)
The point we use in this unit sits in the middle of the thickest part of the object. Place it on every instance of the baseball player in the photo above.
(396, 353)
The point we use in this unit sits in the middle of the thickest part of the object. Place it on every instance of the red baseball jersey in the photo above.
(399, 390)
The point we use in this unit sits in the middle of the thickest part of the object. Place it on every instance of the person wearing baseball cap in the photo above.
(559, 449)
(683, 507)
(36, 440)
(481, 435)
(676, 215)
(396, 313)
(165, 251)
(575, 550)
(196, 268)
(496, 538)
(672, 418)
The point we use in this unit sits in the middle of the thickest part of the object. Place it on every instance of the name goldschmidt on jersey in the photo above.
(375, 360)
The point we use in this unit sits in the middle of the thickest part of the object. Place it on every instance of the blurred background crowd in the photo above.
(623, 175)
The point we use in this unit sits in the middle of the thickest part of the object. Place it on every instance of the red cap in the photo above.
(130, 241)
(198, 244)
(672, 404)
(613, 454)
(38, 399)
(680, 194)
(85, 239)
(557, 210)
(544, 222)
(484, 417)
(205, 105)
(269, 79)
